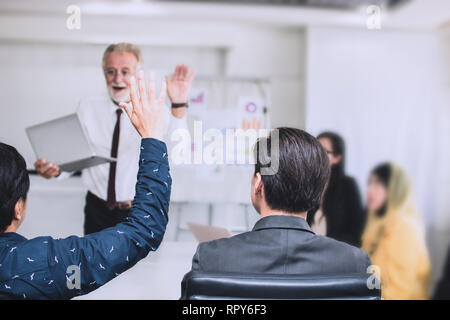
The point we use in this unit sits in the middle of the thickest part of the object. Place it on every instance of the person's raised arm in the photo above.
(146, 111)
(104, 255)
(178, 89)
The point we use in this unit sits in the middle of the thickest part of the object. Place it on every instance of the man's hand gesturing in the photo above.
(179, 87)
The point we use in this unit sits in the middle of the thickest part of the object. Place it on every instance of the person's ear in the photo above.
(338, 158)
(258, 184)
(19, 210)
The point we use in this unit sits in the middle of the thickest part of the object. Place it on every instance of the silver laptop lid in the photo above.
(61, 140)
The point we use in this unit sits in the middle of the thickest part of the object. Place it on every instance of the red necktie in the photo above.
(111, 201)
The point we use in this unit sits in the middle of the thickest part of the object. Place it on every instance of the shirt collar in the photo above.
(11, 236)
(282, 222)
(113, 107)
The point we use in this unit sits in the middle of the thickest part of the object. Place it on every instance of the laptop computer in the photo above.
(64, 142)
(205, 233)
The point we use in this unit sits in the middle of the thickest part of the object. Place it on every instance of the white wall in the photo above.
(384, 91)
(48, 68)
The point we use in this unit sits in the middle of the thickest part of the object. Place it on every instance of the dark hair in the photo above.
(14, 183)
(383, 173)
(338, 145)
(303, 170)
(337, 177)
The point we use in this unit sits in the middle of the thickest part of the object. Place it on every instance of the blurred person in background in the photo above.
(394, 236)
(111, 186)
(340, 215)
(442, 291)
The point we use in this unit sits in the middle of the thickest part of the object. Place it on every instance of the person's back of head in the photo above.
(14, 186)
(301, 172)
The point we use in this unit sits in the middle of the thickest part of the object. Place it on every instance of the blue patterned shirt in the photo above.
(47, 268)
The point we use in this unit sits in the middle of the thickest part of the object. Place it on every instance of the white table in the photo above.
(156, 277)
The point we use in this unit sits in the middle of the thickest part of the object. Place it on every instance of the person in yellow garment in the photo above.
(394, 236)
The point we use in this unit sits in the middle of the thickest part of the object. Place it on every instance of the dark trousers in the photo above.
(97, 216)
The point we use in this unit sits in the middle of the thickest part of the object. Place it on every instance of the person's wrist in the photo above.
(176, 105)
(153, 135)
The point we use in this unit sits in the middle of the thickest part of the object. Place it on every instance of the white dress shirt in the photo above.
(98, 117)
(320, 223)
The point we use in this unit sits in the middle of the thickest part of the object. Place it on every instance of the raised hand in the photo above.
(178, 88)
(146, 111)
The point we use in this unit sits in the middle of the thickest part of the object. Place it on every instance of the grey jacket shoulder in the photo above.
(353, 255)
(214, 251)
(280, 251)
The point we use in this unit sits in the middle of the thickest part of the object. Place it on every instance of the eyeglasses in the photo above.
(113, 73)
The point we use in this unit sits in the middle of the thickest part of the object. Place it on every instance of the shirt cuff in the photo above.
(153, 150)
(64, 175)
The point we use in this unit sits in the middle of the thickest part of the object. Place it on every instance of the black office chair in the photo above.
(198, 285)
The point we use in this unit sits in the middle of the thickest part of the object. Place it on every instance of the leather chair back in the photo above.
(198, 285)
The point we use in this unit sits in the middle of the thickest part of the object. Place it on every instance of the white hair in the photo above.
(122, 47)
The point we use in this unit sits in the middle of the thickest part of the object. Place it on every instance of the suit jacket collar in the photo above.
(282, 222)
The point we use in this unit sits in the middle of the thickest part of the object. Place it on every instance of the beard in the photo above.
(119, 93)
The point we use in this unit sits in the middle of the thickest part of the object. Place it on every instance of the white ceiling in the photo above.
(425, 15)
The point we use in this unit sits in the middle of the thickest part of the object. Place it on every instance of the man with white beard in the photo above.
(111, 133)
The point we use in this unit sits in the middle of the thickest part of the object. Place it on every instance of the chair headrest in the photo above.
(209, 285)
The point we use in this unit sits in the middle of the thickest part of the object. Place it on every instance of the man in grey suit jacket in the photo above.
(282, 242)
